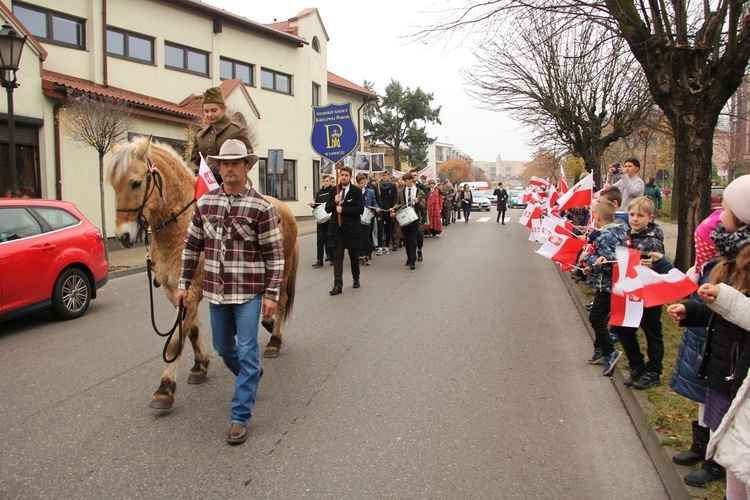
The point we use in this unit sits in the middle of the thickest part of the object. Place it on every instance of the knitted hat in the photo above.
(705, 249)
(214, 95)
(737, 198)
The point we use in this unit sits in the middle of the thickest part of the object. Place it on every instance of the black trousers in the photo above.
(321, 241)
(411, 233)
(499, 212)
(338, 261)
(599, 318)
(467, 210)
(385, 229)
(651, 325)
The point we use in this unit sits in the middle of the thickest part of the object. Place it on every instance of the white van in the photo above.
(476, 186)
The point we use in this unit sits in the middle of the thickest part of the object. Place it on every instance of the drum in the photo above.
(406, 216)
(321, 215)
(367, 217)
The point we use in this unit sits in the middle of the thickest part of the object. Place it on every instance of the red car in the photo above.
(50, 257)
(717, 196)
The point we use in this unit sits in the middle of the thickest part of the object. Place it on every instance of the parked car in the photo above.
(514, 198)
(480, 202)
(51, 258)
(488, 194)
(717, 196)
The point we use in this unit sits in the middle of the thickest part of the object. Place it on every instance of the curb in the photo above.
(637, 405)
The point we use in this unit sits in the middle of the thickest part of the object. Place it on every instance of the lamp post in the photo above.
(11, 46)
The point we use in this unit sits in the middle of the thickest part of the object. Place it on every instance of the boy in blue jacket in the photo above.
(612, 233)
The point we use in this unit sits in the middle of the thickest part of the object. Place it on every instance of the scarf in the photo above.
(730, 244)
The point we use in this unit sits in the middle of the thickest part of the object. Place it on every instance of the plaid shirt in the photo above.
(241, 239)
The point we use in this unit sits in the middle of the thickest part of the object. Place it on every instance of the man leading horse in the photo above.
(238, 230)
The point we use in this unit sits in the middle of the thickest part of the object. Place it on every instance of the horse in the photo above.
(154, 188)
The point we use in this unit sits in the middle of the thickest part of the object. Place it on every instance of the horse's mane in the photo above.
(122, 158)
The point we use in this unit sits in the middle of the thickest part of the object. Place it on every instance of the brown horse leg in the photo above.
(163, 398)
(276, 322)
(200, 369)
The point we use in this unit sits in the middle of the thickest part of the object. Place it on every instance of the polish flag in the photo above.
(579, 195)
(655, 289)
(553, 196)
(626, 310)
(532, 211)
(206, 181)
(560, 225)
(563, 184)
(561, 249)
(538, 181)
(537, 231)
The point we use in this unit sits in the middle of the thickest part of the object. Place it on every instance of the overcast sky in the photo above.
(367, 43)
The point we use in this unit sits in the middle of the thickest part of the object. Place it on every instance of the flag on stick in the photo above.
(563, 184)
(206, 181)
(561, 249)
(579, 195)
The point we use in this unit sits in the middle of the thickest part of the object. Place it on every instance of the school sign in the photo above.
(334, 135)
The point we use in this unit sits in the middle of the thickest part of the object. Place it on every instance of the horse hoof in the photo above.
(271, 352)
(268, 325)
(161, 403)
(197, 378)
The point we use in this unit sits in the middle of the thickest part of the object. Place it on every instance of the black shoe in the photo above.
(503, 223)
(412, 266)
(419, 255)
(635, 374)
(329, 259)
(356, 284)
(648, 379)
(335, 290)
(709, 472)
(318, 264)
(589, 306)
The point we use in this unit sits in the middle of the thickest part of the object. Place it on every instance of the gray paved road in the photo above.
(462, 379)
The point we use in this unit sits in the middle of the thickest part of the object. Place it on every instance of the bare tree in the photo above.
(97, 121)
(693, 54)
(572, 85)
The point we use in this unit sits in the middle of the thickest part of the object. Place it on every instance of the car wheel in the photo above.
(71, 295)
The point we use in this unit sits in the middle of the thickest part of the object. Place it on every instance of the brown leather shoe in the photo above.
(237, 434)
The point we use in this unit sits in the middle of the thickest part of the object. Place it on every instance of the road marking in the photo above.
(483, 219)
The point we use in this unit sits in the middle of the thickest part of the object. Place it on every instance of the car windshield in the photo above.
(479, 196)
(715, 191)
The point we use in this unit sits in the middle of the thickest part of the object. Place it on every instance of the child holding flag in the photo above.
(647, 237)
(727, 353)
(611, 234)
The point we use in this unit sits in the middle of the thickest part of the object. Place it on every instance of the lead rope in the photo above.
(181, 313)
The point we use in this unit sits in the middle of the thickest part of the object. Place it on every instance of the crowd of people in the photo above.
(369, 217)
(714, 353)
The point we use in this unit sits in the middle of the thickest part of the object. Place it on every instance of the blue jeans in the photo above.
(235, 334)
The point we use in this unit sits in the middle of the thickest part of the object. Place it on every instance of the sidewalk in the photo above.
(127, 261)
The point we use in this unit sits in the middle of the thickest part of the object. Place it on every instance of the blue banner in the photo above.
(334, 134)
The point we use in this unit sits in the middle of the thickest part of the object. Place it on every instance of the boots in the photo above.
(710, 471)
(697, 451)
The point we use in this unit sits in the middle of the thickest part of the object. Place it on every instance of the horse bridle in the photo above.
(151, 186)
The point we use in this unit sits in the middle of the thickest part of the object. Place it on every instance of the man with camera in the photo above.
(630, 185)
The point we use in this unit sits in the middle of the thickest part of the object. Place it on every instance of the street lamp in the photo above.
(11, 46)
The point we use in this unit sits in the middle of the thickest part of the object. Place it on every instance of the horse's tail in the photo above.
(291, 283)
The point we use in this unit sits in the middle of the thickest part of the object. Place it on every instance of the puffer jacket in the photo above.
(684, 380)
(610, 237)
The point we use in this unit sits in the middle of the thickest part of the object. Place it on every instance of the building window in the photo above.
(229, 69)
(50, 26)
(285, 184)
(130, 46)
(273, 80)
(185, 59)
(315, 94)
(316, 44)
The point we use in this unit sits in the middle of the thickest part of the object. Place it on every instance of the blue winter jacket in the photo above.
(611, 236)
(690, 354)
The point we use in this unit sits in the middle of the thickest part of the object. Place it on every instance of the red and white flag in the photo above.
(563, 184)
(626, 310)
(561, 226)
(206, 181)
(552, 197)
(561, 249)
(538, 181)
(655, 289)
(579, 195)
(537, 231)
(532, 211)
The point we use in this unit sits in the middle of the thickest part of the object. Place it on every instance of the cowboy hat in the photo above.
(234, 149)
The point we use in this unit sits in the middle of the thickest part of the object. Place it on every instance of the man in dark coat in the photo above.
(502, 201)
(346, 204)
(387, 194)
(321, 197)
